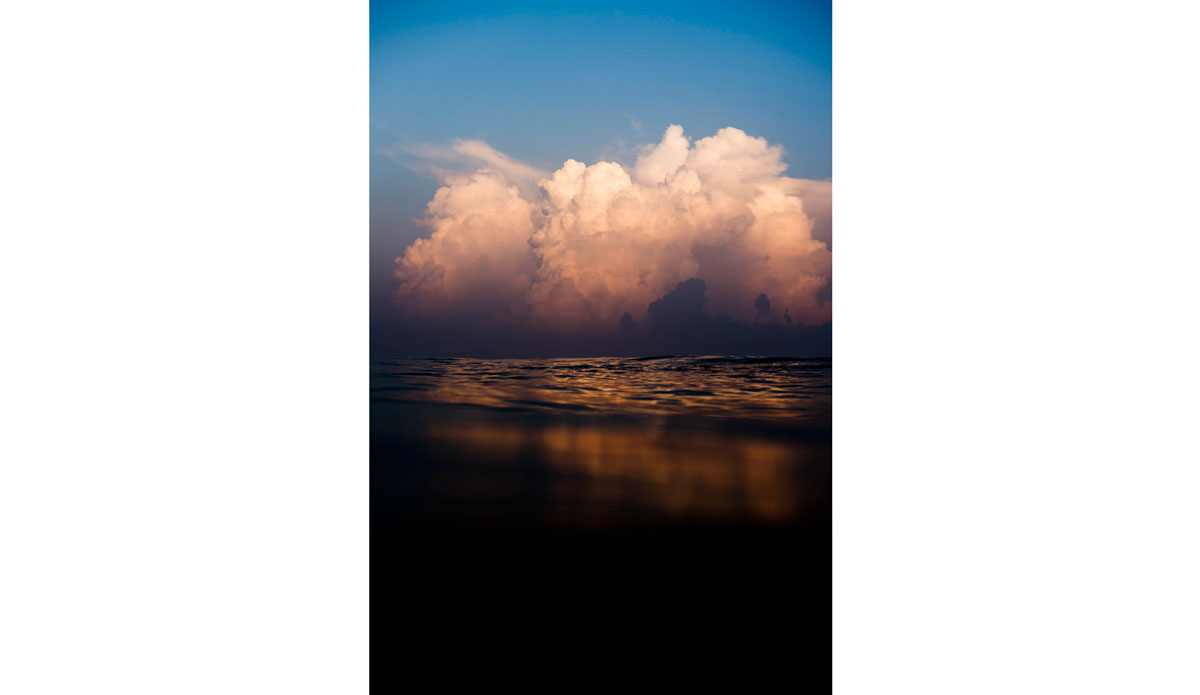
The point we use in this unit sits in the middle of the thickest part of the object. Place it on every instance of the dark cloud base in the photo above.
(674, 324)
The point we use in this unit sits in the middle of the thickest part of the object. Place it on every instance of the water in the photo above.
(779, 389)
(664, 499)
(602, 443)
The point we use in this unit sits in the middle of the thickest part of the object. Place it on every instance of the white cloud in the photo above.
(582, 245)
(469, 155)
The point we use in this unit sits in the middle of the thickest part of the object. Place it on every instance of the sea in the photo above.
(652, 443)
(684, 490)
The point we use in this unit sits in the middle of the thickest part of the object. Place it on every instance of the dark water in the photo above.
(599, 443)
(678, 493)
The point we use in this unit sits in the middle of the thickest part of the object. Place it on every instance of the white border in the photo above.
(183, 493)
(1015, 468)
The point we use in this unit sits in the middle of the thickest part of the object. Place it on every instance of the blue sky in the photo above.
(543, 84)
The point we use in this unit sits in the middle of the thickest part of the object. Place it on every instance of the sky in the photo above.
(459, 89)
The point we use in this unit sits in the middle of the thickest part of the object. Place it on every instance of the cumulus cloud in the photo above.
(657, 163)
(704, 230)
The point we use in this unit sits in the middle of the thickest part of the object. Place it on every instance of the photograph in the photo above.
(602, 302)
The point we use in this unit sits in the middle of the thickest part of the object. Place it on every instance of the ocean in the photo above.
(677, 492)
(599, 444)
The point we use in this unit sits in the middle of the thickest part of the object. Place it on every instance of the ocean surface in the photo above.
(713, 442)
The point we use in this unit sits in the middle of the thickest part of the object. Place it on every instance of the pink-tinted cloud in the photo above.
(510, 247)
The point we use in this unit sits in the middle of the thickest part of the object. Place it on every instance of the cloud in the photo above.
(762, 306)
(681, 306)
(444, 162)
(657, 163)
(691, 233)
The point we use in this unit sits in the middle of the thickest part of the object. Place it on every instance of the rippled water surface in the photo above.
(778, 389)
(600, 443)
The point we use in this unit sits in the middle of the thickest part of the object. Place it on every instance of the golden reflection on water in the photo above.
(605, 441)
(723, 387)
(677, 474)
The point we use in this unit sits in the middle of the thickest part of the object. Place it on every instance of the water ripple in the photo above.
(771, 388)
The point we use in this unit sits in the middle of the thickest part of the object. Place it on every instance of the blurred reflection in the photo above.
(679, 474)
(599, 443)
